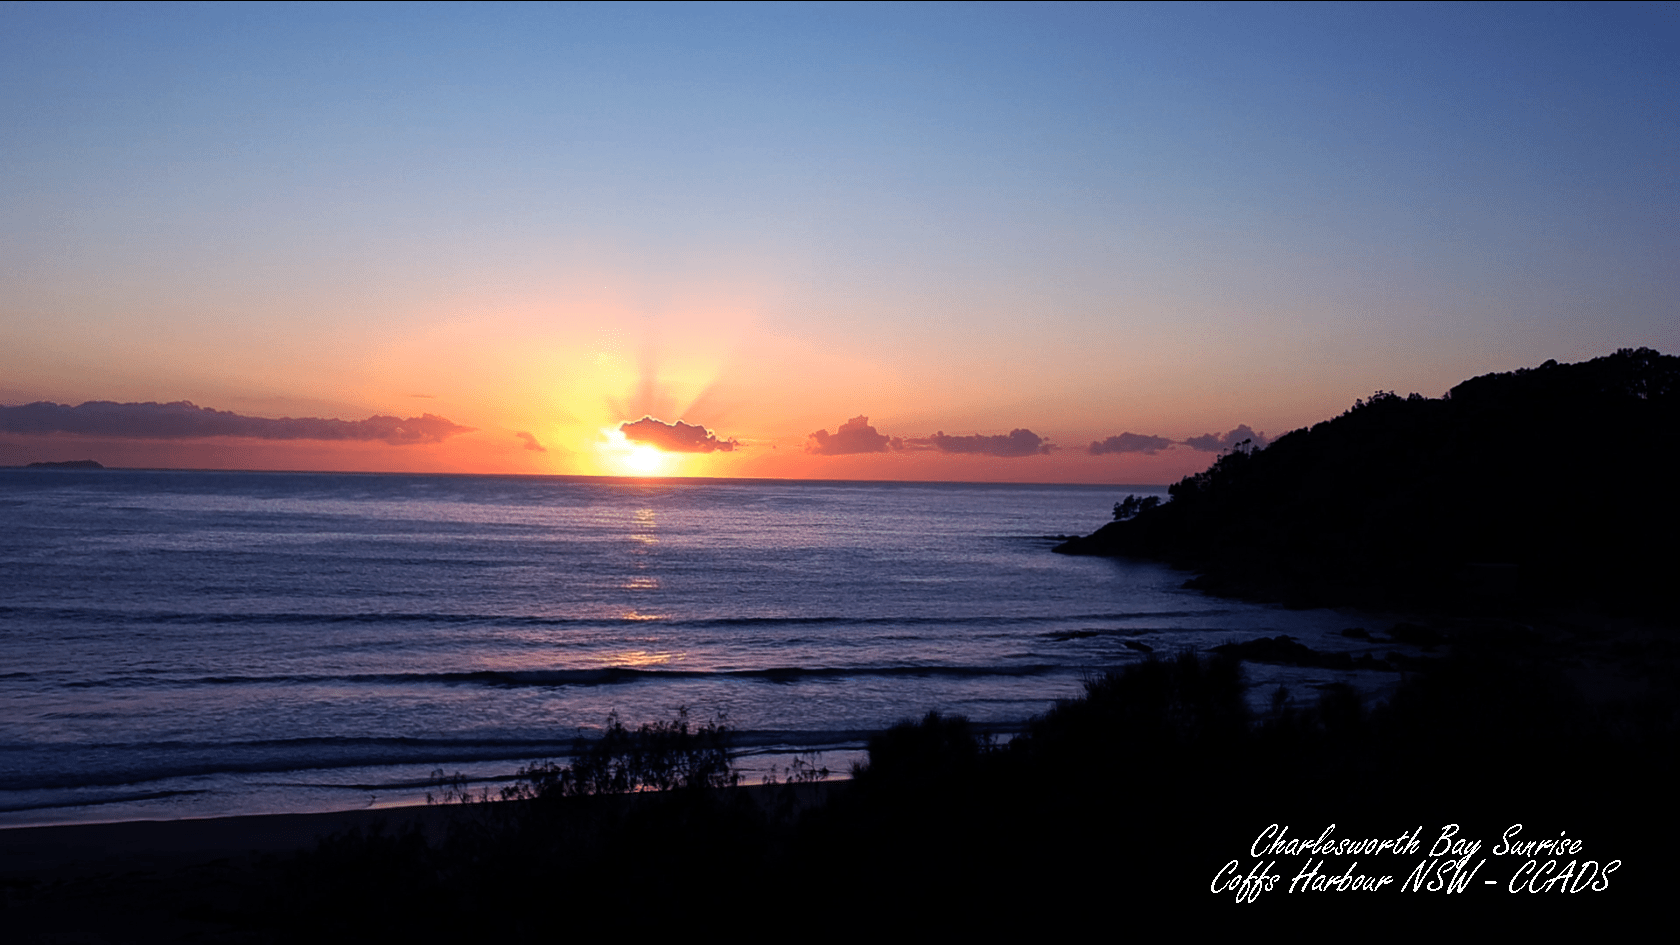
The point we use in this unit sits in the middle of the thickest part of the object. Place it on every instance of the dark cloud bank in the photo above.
(1213, 442)
(1150, 445)
(676, 437)
(857, 436)
(853, 436)
(184, 420)
(1016, 443)
(1130, 443)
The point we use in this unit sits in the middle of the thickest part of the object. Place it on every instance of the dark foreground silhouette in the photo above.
(1147, 796)
(1539, 488)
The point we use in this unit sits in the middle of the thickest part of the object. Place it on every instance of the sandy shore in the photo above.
(158, 845)
(160, 881)
(199, 880)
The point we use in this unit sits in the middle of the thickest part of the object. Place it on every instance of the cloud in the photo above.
(853, 436)
(183, 420)
(1130, 443)
(1017, 443)
(531, 442)
(676, 437)
(1213, 442)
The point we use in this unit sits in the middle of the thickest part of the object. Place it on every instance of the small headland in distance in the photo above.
(68, 464)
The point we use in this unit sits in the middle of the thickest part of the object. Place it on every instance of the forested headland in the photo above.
(1550, 486)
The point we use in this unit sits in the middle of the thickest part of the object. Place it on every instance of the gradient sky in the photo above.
(539, 223)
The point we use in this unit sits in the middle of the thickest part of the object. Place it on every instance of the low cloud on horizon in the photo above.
(676, 437)
(1020, 442)
(1213, 442)
(1150, 445)
(1130, 443)
(185, 420)
(853, 436)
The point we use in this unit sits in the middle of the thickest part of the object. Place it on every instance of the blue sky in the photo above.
(1082, 219)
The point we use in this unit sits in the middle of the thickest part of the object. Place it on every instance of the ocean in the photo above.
(193, 644)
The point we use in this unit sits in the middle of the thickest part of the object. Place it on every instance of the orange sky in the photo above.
(542, 223)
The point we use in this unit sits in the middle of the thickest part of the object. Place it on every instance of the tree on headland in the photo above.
(1132, 505)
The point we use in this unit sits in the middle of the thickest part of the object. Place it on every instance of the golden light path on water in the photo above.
(634, 659)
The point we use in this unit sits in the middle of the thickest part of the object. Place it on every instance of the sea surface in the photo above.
(191, 644)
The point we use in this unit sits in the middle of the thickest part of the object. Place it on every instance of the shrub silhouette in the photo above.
(658, 756)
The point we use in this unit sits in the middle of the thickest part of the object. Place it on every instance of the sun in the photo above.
(645, 460)
(620, 456)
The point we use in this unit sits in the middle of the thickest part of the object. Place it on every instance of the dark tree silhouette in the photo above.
(1452, 500)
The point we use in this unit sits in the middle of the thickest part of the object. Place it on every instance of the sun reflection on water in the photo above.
(642, 527)
(633, 659)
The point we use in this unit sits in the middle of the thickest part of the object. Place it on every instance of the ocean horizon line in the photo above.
(584, 477)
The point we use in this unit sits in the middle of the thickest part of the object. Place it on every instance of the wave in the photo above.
(125, 797)
(553, 678)
(97, 616)
(59, 767)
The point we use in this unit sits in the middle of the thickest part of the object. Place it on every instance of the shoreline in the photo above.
(67, 851)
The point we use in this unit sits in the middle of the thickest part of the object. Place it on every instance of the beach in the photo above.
(156, 880)
(219, 878)
(68, 851)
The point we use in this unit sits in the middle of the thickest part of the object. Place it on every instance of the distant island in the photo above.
(68, 464)
(1550, 486)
